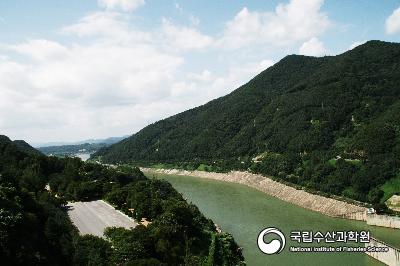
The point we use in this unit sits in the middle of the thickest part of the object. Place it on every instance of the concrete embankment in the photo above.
(327, 206)
(390, 257)
(374, 219)
(383, 220)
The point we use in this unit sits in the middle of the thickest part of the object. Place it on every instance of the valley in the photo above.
(329, 124)
(200, 133)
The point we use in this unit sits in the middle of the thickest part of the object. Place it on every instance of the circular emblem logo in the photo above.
(273, 247)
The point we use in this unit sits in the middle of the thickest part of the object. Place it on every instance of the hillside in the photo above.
(36, 230)
(25, 147)
(21, 145)
(330, 124)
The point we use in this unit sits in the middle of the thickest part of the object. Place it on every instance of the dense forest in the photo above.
(36, 230)
(25, 147)
(330, 124)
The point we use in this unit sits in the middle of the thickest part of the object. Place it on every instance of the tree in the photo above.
(91, 250)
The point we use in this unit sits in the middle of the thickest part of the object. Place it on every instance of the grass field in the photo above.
(391, 187)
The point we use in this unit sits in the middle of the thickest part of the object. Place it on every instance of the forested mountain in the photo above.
(35, 228)
(22, 146)
(329, 123)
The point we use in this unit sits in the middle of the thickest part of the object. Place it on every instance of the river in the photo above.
(84, 156)
(244, 212)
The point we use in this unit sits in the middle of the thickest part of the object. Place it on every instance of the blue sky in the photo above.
(76, 69)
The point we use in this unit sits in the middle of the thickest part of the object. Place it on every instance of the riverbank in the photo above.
(327, 206)
(390, 257)
(244, 211)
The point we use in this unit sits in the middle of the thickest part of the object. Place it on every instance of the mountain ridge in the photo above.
(292, 59)
(21, 145)
(110, 140)
(302, 110)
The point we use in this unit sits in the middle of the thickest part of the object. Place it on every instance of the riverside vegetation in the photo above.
(328, 124)
(35, 228)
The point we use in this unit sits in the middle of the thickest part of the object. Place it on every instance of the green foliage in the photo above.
(391, 187)
(211, 253)
(301, 113)
(25, 147)
(92, 250)
(204, 167)
(227, 251)
(375, 195)
(130, 245)
(36, 230)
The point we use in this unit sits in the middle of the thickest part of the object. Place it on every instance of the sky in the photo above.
(81, 69)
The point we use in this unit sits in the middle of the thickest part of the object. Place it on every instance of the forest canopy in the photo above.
(36, 230)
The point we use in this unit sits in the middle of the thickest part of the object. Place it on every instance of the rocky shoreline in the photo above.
(324, 205)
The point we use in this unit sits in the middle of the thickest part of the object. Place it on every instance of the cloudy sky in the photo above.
(79, 69)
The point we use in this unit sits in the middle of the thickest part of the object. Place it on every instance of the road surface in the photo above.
(94, 216)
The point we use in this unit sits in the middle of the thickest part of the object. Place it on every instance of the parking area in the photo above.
(94, 216)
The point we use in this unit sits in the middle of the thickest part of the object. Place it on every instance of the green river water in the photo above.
(244, 212)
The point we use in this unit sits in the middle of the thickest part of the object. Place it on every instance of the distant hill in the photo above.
(25, 147)
(88, 146)
(329, 123)
(21, 145)
(67, 150)
(108, 141)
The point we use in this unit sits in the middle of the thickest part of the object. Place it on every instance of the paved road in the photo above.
(94, 216)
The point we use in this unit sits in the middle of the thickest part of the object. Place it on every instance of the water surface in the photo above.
(244, 212)
(84, 156)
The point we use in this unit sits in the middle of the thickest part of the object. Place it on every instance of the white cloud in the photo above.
(312, 47)
(204, 76)
(111, 80)
(298, 20)
(355, 44)
(206, 85)
(109, 77)
(40, 49)
(107, 74)
(110, 26)
(184, 38)
(53, 87)
(124, 5)
(393, 22)
(98, 23)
